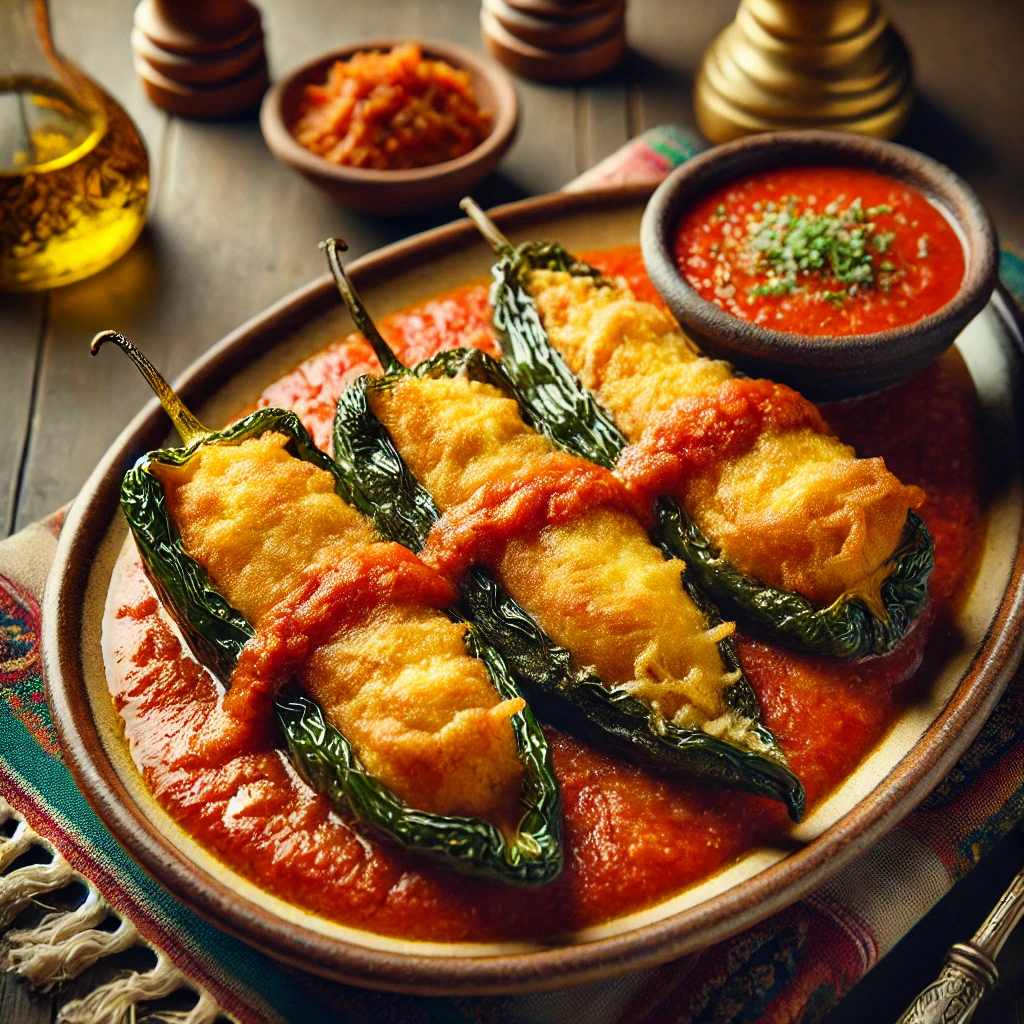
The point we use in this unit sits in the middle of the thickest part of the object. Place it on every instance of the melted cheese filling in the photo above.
(421, 713)
(799, 511)
(597, 585)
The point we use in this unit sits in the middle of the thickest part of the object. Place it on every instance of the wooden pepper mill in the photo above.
(555, 40)
(200, 58)
(804, 64)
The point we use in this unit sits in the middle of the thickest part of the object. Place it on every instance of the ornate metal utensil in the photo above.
(969, 971)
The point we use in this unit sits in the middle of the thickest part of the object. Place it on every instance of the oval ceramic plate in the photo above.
(922, 746)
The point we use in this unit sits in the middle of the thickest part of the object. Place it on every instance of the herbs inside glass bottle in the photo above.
(74, 174)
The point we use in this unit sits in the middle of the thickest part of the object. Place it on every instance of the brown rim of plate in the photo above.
(824, 367)
(910, 781)
(277, 114)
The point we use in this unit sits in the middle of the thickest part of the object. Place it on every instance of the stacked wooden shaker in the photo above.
(200, 58)
(555, 40)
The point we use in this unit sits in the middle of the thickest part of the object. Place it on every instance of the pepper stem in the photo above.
(357, 310)
(185, 423)
(497, 241)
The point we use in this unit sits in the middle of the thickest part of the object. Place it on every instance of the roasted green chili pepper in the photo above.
(216, 633)
(571, 418)
(572, 698)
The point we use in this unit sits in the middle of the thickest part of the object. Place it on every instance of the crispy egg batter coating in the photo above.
(596, 584)
(798, 511)
(421, 713)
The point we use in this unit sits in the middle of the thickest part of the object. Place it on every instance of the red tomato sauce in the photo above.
(631, 839)
(460, 319)
(339, 597)
(696, 432)
(820, 251)
(478, 530)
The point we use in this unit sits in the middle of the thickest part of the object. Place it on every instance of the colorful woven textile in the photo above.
(792, 967)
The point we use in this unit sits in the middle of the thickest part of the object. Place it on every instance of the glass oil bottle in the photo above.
(74, 174)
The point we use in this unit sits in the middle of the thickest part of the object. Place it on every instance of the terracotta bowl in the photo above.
(821, 367)
(394, 192)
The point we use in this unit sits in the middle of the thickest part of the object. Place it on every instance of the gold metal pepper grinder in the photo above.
(74, 175)
(804, 64)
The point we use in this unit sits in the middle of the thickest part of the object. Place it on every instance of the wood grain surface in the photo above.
(230, 231)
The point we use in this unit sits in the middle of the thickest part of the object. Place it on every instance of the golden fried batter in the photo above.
(421, 713)
(596, 585)
(799, 511)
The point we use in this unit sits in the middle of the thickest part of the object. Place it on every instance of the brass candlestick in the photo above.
(804, 64)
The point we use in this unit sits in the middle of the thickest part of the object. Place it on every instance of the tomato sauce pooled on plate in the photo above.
(820, 251)
(631, 839)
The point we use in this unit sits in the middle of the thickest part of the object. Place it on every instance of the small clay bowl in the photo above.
(402, 191)
(822, 367)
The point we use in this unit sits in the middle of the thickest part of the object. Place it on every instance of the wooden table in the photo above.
(230, 230)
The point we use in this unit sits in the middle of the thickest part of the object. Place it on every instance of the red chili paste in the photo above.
(391, 111)
(631, 839)
(820, 251)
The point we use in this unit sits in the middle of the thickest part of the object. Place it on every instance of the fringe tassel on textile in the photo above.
(66, 943)
(116, 1001)
(19, 887)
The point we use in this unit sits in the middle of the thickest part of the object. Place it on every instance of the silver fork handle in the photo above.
(967, 975)
(969, 971)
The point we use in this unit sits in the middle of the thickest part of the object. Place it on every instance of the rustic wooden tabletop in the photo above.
(230, 231)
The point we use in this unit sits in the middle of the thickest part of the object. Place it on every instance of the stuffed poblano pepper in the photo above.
(389, 701)
(778, 521)
(559, 574)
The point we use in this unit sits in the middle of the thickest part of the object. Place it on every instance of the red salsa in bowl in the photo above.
(832, 262)
(820, 251)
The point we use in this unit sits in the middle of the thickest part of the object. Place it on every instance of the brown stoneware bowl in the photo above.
(822, 367)
(404, 191)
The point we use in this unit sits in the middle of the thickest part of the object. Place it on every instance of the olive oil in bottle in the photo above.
(74, 175)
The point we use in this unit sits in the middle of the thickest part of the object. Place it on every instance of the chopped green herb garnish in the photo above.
(839, 244)
(882, 241)
(777, 287)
